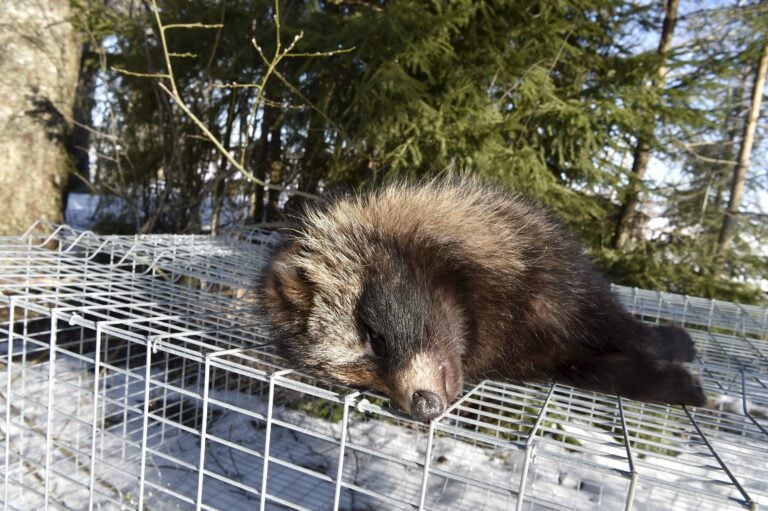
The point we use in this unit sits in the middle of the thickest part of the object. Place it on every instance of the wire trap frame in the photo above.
(136, 375)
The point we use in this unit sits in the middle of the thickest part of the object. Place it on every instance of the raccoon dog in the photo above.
(417, 288)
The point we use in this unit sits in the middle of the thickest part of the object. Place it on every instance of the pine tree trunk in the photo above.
(643, 149)
(38, 78)
(219, 185)
(732, 130)
(80, 139)
(274, 162)
(740, 171)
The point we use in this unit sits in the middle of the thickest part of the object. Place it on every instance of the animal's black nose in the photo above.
(426, 405)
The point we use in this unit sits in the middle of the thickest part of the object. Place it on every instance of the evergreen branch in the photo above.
(508, 93)
(729, 10)
(360, 3)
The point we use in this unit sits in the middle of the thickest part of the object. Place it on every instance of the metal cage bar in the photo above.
(137, 374)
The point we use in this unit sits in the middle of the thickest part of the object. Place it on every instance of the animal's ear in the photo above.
(287, 284)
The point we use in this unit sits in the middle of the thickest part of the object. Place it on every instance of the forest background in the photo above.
(637, 123)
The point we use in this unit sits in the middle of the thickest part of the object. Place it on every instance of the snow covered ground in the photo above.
(382, 463)
(81, 210)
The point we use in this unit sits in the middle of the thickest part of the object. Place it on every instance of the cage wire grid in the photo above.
(136, 375)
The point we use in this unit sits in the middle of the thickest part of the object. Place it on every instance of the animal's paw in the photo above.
(681, 387)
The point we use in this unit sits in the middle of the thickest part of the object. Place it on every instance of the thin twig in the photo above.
(189, 25)
(261, 102)
(235, 163)
(140, 75)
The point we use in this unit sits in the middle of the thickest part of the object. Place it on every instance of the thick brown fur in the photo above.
(425, 286)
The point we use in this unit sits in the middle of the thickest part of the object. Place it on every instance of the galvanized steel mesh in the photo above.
(136, 375)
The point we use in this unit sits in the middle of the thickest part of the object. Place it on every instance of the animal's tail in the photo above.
(671, 342)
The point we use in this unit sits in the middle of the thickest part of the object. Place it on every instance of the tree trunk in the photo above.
(274, 163)
(314, 162)
(38, 78)
(731, 131)
(80, 139)
(219, 182)
(643, 148)
(740, 171)
(269, 166)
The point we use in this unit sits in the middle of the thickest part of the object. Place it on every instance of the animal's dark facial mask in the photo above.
(413, 289)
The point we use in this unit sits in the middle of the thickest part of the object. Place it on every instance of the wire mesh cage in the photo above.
(136, 375)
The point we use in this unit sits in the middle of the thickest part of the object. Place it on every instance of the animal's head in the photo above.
(371, 313)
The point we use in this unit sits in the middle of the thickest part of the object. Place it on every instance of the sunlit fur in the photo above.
(465, 281)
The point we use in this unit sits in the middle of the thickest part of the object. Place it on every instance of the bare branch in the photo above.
(212, 138)
(189, 25)
(321, 53)
(140, 75)
(164, 43)
(281, 52)
(688, 149)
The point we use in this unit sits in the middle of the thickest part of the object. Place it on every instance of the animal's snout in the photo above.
(426, 405)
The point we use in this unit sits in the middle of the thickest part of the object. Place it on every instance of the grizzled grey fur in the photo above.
(414, 289)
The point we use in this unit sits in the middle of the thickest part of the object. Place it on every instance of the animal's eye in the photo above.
(376, 340)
